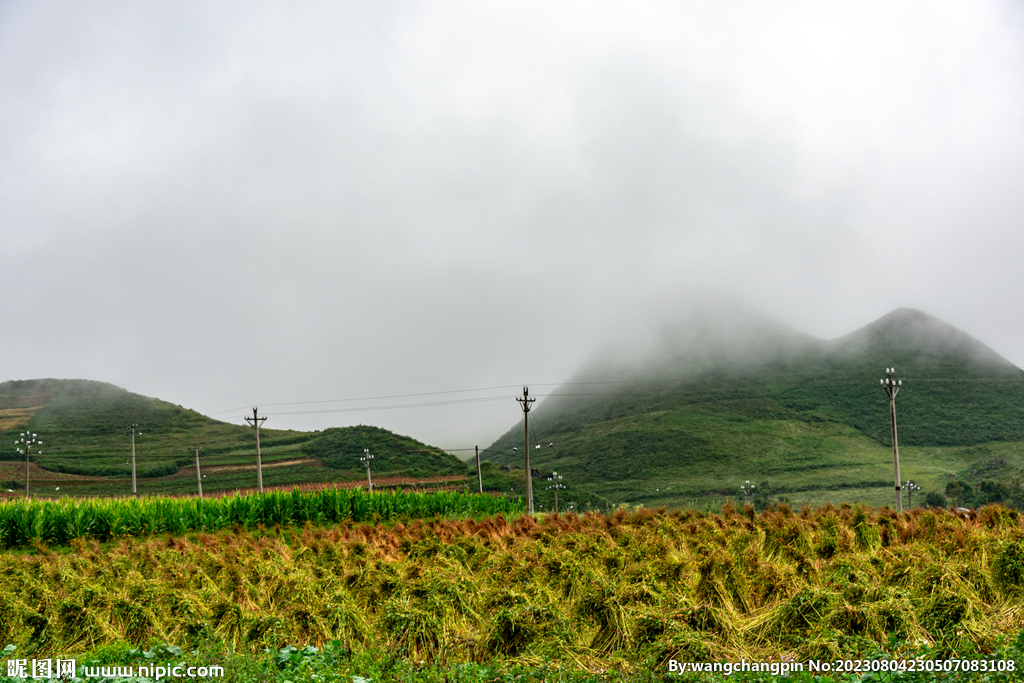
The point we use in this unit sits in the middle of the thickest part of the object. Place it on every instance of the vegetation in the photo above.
(342, 448)
(334, 663)
(801, 418)
(58, 523)
(636, 460)
(624, 592)
(512, 482)
(83, 426)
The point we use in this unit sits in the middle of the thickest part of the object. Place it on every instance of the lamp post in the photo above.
(365, 458)
(892, 387)
(748, 490)
(24, 446)
(910, 488)
(556, 478)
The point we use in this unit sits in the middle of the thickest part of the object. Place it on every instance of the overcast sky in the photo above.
(227, 204)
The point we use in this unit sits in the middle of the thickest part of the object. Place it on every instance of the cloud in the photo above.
(223, 205)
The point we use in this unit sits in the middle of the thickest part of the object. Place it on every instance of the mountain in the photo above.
(84, 428)
(717, 400)
(84, 424)
(910, 336)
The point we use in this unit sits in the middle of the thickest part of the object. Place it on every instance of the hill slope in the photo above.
(84, 424)
(721, 402)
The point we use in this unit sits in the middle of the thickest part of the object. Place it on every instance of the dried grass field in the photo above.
(596, 593)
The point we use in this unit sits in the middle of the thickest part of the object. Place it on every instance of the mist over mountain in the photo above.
(910, 337)
(744, 389)
(717, 335)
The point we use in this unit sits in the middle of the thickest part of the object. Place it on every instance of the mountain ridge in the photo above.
(813, 406)
(909, 326)
(84, 425)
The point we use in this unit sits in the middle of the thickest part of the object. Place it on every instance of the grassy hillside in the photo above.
(341, 449)
(802, 418)
(84, 424)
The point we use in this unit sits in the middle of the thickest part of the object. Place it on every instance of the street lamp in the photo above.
(365, 458)
(748, 490)
(24, 446)
(892, 387)
(910, 487)
(556, 478)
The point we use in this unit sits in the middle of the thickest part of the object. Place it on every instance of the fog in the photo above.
(236, 204)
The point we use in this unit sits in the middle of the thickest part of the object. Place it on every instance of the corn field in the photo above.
(59, 522)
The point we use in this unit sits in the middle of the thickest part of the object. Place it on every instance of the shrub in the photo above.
(1008, 568)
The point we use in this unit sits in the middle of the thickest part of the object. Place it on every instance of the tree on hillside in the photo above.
(961, 494)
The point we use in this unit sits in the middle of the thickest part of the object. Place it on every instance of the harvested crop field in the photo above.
(627, 591)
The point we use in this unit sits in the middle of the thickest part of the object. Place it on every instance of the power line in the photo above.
(695, 382)
(374, 398)
(761, 391)
(393, 407)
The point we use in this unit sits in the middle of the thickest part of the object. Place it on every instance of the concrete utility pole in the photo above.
(479, 477)
(525, 402)
(199, 476)
(365, 459)
(131, 433)
(892, 387)
(24, 445)
(255, 421)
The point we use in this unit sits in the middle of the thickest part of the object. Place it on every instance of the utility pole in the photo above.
(28, 441)
(365, 459)
(525, 402)
(131, 433)
(892, 387)
(199, 476)
(479, 477)
(255, 421)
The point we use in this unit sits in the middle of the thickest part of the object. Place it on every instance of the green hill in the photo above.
(83, 425)
(732, 397)
(342, 449)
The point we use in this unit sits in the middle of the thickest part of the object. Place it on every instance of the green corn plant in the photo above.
(60, 522)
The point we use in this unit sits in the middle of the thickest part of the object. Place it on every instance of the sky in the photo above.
(304, 206)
